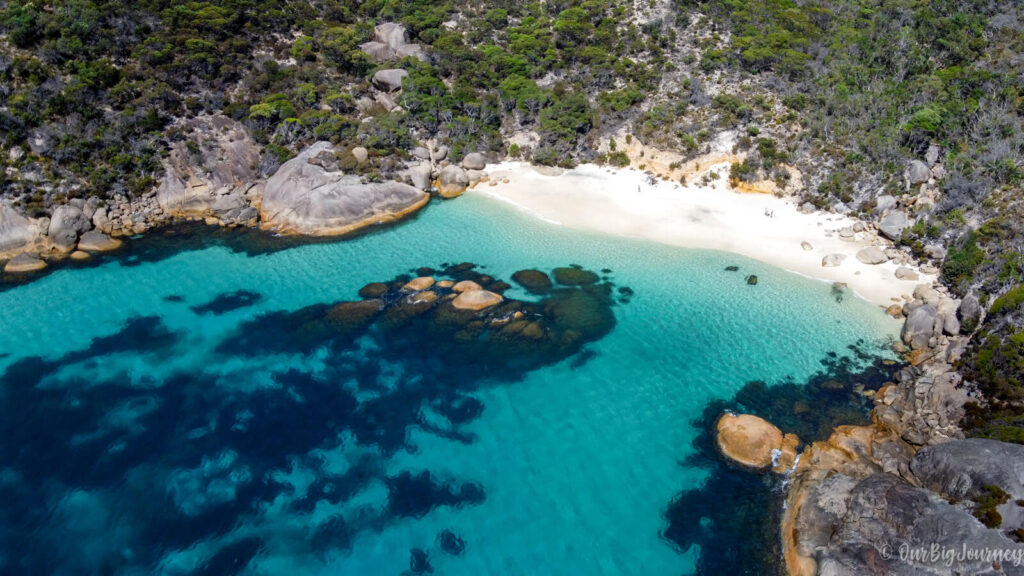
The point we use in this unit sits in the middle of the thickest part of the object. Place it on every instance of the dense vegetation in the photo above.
(847, 90)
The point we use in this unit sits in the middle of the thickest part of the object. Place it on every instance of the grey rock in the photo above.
(420, 175)
(22, 263)
(919, 327)
(960, 469)
(93, 241)
(378, 51)
(453, 181)
(227, 203)
(101, 218)
(474, 161)
(872, 255)
(389, 80)
(439, 154)
(918, 172)
(226, 159)
(16, 230)
(421, 153)
(411, 50)
(391, 33)
(66, 224)
(885, 203)
(904, 273)
(832, 260)
(304, 198)
(846, 233)
(859, 527)
(970, 313)
(950, 324)
(932, 155)
(806, 246)
(807, 208)
(892, 225)
(935, 251)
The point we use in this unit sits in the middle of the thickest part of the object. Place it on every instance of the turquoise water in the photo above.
(131, 459)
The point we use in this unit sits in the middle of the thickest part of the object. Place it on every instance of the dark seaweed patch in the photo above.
(228, 302)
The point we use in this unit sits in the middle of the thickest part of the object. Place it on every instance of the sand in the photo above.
(627, 203)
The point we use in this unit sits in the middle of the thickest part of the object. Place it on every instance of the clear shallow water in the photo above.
(150, 452)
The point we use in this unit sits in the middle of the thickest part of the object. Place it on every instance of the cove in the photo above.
(141, 436)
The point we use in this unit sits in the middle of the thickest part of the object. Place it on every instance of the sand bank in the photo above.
(627, 203)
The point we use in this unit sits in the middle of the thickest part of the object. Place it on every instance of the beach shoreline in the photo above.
(628, 202)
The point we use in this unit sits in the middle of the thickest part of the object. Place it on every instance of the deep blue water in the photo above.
(180, 408)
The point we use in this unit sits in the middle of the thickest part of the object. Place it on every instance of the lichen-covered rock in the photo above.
(217, 157)
(755, 443)
(970, 313)
(302, 198)
(94, 241)
(16, 230)
(452, 182)
(476, 300)
(23, 263)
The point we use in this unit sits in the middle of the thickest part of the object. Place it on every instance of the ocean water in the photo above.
(162, 413)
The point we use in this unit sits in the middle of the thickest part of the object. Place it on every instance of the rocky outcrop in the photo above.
(452, 182)
(303, 198)
(755, 443)
(211, 173)
(390, 42)
(16, 231)
(864, 500)
(23, 263)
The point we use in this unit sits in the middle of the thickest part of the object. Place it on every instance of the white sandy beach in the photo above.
(623, 202)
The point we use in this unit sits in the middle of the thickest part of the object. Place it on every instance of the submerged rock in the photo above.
(574, 276)
(533, 280)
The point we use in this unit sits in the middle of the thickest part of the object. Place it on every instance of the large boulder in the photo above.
(94, 241)
(881, 524)
(452, 182)
(872, 255)
(884, 203)
(389, 80)
(23, 263)
(892, 225)
(16, 230)
(378, 51)
(217, 157)
(476, 300)
(474, 161)
(755, 443)
(420, 175)
(918, 172)
(960, 469)
(303, 198)
(66, 224)
(920, 327)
